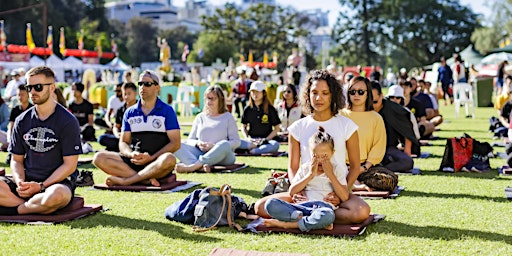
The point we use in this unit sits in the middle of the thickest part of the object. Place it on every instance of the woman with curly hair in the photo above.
(321, 99)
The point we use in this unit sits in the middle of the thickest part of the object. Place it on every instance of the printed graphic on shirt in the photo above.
(153, 124)
(40, 139)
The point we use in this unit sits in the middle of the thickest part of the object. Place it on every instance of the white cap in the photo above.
(258, 86)
(396, 91)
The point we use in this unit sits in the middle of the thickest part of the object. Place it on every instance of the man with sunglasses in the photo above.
(45, 144)
(150, 134)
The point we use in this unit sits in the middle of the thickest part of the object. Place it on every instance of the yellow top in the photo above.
(372, 135)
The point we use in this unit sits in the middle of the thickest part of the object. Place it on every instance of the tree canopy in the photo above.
(499, 27)
(259, 28)
(421, 31)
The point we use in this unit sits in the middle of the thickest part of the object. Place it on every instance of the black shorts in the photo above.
(69, 182)
(135, 167)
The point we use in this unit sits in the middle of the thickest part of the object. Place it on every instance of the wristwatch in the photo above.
(42, 187)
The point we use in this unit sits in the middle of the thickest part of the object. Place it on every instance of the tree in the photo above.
(499, 29)
(423, 30)
(213, 46)
(141, 41)
(260, 28)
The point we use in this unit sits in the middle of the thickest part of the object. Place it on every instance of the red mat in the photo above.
(166, 183)
(75, 210)
(274, 154)
(234, 252)
(228, 168)
(338, 230)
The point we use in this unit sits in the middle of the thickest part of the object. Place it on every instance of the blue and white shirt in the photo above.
(149, 133)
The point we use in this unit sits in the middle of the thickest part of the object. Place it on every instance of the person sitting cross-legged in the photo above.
(45, 144)
(149, 135)
(213, 138)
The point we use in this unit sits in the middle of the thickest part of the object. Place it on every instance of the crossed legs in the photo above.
(122, 174)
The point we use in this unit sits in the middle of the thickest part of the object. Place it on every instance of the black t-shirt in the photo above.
(16, 111)
(424, 99)
(375, 76)
(398, 124)
(506, 109)
(120, 114)
(82, 111)
(417, 108)
(260, 124)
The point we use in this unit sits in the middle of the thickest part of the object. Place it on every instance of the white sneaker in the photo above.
(87, 148)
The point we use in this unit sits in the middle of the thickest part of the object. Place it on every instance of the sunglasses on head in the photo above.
(36, 87)
(353, 92)
(147, 84)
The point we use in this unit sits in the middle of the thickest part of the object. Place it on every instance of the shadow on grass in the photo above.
(444, 196)
(473, 175)
(164, 228)
(435, 233)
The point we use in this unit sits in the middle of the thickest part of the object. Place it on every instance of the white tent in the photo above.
(73, 63)
(36, 61)
(54, 62)
(118, 65)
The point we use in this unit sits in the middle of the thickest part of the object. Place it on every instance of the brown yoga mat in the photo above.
(338, 230)
(379, 194)
(228, 168)
(75, 210)
(274, 154)
(166, 183)
(235, 252)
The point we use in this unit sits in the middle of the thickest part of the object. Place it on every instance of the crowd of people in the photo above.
(337, 128)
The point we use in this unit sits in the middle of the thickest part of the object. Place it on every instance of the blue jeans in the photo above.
(271, 147)
(110, 142)
(315, 214)
(221, 154)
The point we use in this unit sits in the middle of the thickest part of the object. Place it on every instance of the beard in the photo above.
(42, 98)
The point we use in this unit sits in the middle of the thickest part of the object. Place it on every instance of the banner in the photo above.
(30, 41)
(62, 42)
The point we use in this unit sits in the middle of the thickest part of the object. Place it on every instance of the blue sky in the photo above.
(479, 6)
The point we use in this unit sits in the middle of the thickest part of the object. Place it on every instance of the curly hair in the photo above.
(337, 97)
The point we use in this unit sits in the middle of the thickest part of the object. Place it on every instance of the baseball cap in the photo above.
(396, 91)
(150, 74)
(257, 86)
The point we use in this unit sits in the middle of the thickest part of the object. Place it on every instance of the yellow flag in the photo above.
(507, 42)
(49, 39)
(98, 47)
(81, 40)
(62, 42)
(265, 59)
(249, 58)
(30, 41)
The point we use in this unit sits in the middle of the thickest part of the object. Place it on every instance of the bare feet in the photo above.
(114, 180)
(279, 224)
(154, 182)
(183, 168)
(206, 168)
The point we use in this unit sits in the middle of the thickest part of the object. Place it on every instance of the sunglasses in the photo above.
(147, 84)
(360, 92)
(36, 87)
(375, 102)
(394, 97)
(287, 91)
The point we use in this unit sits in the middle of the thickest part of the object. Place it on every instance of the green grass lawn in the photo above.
(437, 214)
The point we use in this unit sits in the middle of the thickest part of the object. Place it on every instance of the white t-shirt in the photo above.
(320, 186)
(339, 127)
(114, 103)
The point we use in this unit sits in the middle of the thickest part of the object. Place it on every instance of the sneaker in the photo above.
(87, 148)
(282, 185)
(269, 187)
(8, 159)
(85, 179)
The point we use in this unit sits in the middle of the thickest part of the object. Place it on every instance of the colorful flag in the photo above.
(49, 39)
(62, 42)
(98, 47)
(274, 57)
(265, 59)
(3, 38)
(30, 41)
(114, 47)
(250, 58)
(81, 40)
(185, 53)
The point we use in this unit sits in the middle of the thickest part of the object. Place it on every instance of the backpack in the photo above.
(379, 178)
(207, 208)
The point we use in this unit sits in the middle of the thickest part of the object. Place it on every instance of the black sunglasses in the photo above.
(147, 84)
(353, 92)
(394, 97)
(375, 102)
(37, 87)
